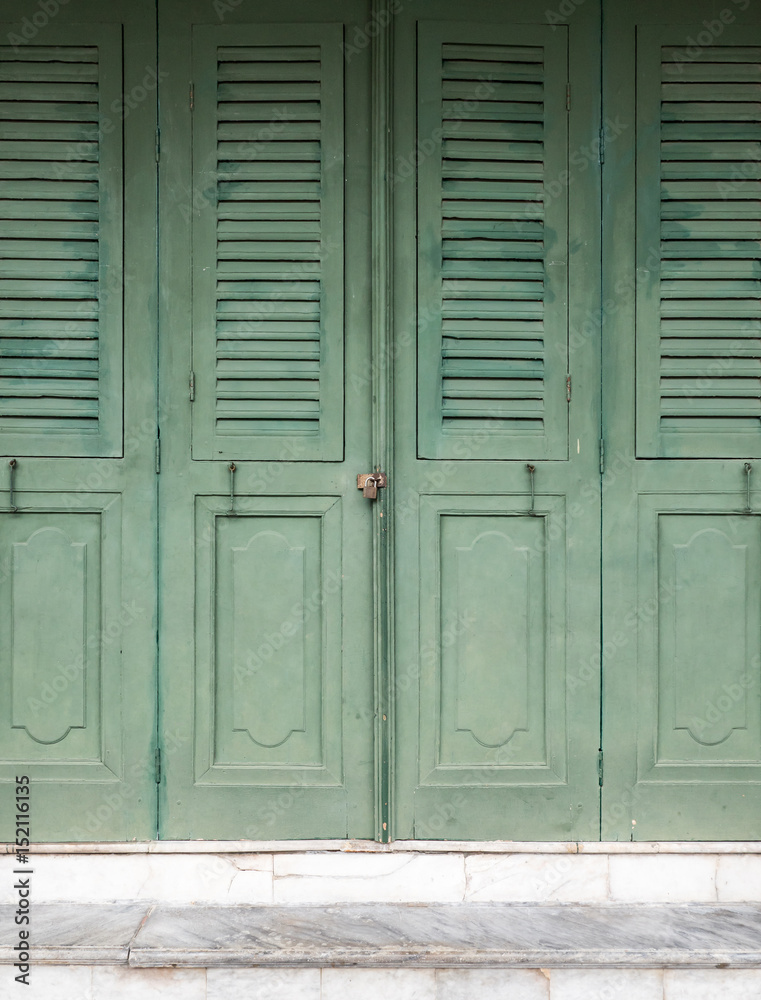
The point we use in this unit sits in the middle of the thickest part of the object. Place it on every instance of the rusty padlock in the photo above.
(370, 489)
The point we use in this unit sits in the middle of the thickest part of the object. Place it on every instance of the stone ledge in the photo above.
(403, 846)
(383, 935)
(65, 933)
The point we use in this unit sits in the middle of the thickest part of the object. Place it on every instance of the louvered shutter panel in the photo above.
(492, 274)
(699, 247)
(61, 245)
(268, 244)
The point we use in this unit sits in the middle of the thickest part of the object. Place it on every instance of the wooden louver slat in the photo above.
(485, 206)
(270, 238)
(59, 326)
(699, 337)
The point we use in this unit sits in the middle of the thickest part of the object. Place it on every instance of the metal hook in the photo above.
(231, 511)
(748, 467)
(12, 465)
(531, 470)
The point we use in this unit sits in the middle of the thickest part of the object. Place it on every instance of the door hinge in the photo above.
(157, 764)
(602, 455)
(158, 452)
(158, 144)
(601, 154)
(568, 387)
(599, 766)
(192, 386)
(568, 97)
(192, 97)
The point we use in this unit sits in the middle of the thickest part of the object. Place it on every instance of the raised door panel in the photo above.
(492, 643)
(698, 701)
(69, 631)
(709, 640)
(53, 636)
(271, 661)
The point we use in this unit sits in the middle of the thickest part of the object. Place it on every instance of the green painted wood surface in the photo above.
(493, 250)
(266, 616)
(276, 676)
(681, 573)
(78, 302)
(699, 263)
(268, 268)
(61, 191)
(496, 682)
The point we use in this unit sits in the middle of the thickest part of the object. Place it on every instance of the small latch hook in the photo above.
(748, 467)
(13, 463)
(531, 469)
(231, 512)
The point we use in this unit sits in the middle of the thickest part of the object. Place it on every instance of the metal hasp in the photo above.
(12, 466)
(748, 469)
(531, 469)
(370, 483)
(232, 467)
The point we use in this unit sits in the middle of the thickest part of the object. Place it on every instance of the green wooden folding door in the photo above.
(497, 504)
(681, 525)
(77, 418)
(267, 570)
(507, 256)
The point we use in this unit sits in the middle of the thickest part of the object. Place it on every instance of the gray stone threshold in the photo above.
(384, 935)
(396, 847)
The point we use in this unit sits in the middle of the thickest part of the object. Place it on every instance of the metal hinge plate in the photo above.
(157, 764)
(599, 767)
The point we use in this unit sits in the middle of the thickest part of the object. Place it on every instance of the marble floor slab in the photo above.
(389, 935)
(452, 936)
(96, 934)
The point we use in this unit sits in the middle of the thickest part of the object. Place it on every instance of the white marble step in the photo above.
(385, 935)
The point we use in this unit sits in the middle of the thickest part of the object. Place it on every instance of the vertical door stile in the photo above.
(383, 409)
